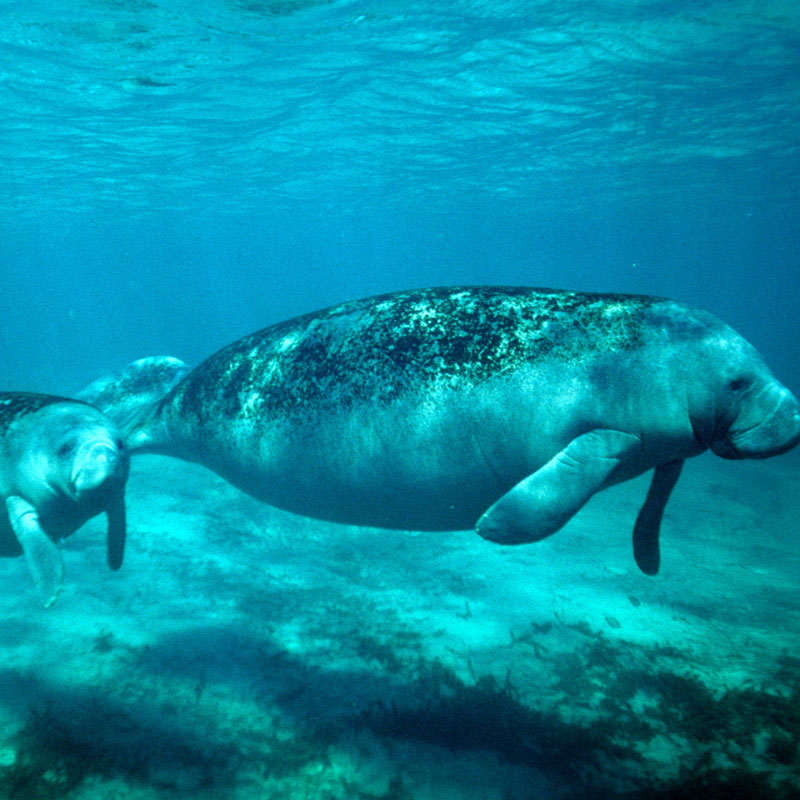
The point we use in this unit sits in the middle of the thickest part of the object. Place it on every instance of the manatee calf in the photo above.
(61, 462)
(503, 409)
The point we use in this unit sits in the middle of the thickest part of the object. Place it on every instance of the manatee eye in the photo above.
(739, 385)
(66, 449)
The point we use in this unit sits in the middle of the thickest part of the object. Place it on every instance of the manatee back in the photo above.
(372, 351)
(15, 405)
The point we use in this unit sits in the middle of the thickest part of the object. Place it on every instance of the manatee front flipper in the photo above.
(541, 503)
(645, 531)
(115, 535)
(42, 555)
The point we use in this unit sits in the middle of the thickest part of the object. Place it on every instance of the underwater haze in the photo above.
(177, 175)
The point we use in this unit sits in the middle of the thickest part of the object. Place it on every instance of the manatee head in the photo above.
(764, 419)
(743, 411)
(71, 465)
(74, 451)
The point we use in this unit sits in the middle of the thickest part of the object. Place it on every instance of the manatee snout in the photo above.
(96, 462)
(766, 428)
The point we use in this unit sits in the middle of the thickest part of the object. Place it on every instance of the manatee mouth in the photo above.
(778, 433)
(725, 448)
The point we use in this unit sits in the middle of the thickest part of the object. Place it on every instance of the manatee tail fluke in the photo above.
(131, 396)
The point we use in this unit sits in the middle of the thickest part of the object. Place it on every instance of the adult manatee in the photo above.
(499, 408)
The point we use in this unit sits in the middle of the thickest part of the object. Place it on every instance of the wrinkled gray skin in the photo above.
(61, 463)
(499, 408)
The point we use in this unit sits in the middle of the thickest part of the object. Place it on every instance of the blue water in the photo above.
(178, 174)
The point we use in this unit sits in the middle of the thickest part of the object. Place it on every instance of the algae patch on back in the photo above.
(373, 350)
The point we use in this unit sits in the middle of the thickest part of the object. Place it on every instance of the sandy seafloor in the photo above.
(243, 652)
